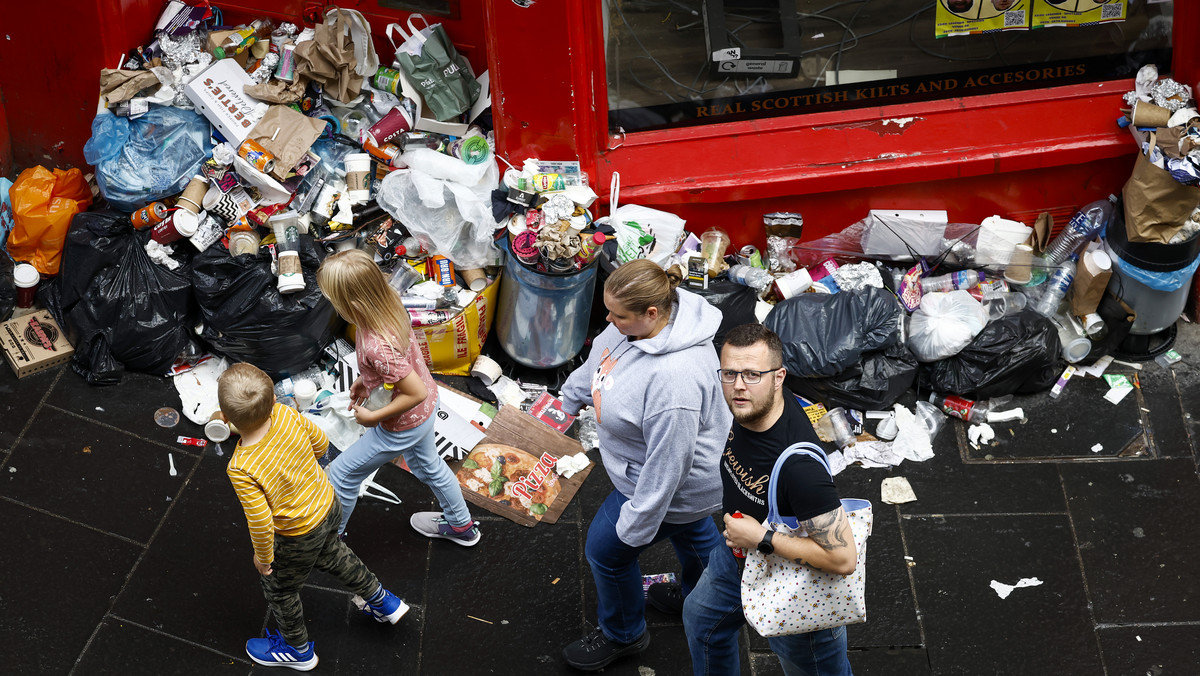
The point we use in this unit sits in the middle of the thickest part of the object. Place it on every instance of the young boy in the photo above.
(292, 515)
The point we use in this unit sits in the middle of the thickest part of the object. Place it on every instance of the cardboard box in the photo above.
(34, 343)
(219, 96)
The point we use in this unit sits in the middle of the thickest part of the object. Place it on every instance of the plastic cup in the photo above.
(932, 417)
(305, 393)
(839, 422)
(243, 242)
(1020, 265)
(217, 428)
(27, 279)
(712, 249)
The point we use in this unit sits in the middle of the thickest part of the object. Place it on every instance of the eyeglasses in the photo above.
(749, 377)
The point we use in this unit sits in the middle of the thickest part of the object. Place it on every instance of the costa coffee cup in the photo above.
(27, 279)
(182, 223)
(397, 121)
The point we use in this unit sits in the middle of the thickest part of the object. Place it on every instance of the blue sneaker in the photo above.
(274, 651)
(389, 609)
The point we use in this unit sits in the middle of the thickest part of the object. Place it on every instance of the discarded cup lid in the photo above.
(166, 417)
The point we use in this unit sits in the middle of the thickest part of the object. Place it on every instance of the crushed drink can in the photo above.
(148, 216)
(191, 441)
(256, 155)
(748, 255)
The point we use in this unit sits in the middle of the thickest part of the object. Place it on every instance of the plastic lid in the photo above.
(291, 283)
(25, 275)
(219, 52)
(1101, 259)
(186, 223)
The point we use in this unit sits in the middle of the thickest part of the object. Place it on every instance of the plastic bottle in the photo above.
(1004, 303)
(755, 278)
(1056, 287)
(590, 245)
(238, 42)
(1083, 227)
(963, 409)
(410, 247)
(380, 396)
(964, 279)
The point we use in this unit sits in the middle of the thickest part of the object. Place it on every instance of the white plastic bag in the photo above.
(944, 324)
(633, 223)
(446, 204)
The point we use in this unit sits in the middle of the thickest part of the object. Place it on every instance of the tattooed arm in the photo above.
(829, 545)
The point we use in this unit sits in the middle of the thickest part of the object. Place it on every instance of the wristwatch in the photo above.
(765, 546)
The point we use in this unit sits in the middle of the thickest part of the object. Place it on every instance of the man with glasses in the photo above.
(767, 419)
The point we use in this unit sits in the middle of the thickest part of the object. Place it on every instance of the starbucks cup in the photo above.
(286, 226)
(182, 223)
(358, 182)
(27, 279)
(291, 274)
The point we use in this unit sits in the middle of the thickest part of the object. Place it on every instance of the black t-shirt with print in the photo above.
(805, 489)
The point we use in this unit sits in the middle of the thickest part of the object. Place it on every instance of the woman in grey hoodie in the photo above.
(652, 378)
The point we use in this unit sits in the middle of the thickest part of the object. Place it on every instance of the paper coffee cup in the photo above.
(793, 284)
(182, 223)
(193, 194)
(217, 428)
(486, 369)
(358, 182)
(27, 279)
(1020, 265)
(1149, 115)
(475, 278)
(291, 275)
(305, 392)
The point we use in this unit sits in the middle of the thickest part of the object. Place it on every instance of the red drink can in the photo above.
(256, 155)
(149, 215)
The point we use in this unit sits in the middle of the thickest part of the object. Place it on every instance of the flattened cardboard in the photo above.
(34, 343)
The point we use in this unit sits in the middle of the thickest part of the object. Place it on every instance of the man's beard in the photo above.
(757, 413)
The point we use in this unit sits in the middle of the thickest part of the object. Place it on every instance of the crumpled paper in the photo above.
(278, 91)
(896, 490)
(122, 85)
(568, 465)
(329, 57)
(556, 243)
(161, 254)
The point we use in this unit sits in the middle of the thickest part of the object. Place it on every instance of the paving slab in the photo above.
(1130, 519)
(1069, 428)
(19, 399)
(197, 580)
(520, 588)
(969, 629)
(945, 484)
(122, 647)
(891, 612)
(59, 580)
(1164, 412)
(141, 395)
(94, 474)
(1156, 650)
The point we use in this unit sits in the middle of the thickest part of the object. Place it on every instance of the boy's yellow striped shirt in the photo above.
(281, 486)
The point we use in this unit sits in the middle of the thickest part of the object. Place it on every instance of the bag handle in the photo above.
(399, 29)
(802, 448)
(416, 32)
(614, 192)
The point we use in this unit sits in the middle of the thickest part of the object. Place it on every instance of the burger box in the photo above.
(533, 438)
(218, 95)
(34, 343)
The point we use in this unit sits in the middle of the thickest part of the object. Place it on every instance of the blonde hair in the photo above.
(360, 293)
(640, 285)
(246, 395)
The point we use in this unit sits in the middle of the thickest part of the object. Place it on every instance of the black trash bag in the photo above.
(735, 301)
(1017, 354)
(247, 319)
(873, 384)
(117, 307)
(823, 335)
(8, 286)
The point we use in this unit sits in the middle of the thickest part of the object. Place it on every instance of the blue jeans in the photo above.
(378, 447)
(622, 601)
(712, 617)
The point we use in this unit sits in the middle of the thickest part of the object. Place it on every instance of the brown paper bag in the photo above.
(1156, 205)
(1040, 237)
(1088, 288)
(122, 85)
(287, 135)
(329, 60)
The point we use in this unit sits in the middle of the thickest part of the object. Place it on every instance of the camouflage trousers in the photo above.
(295, 558)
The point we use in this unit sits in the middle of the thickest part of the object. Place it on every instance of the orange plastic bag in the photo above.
(43, 204)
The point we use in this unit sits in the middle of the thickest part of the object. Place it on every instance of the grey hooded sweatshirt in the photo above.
(662, 418)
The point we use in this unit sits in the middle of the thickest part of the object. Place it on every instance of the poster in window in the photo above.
(1050, 13)
(972, 17)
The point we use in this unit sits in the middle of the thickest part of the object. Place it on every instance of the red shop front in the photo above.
(869, 109)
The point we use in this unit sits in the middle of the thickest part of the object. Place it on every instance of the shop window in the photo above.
(677, 63)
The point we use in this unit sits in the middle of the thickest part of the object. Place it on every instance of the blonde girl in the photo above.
(388, 355)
